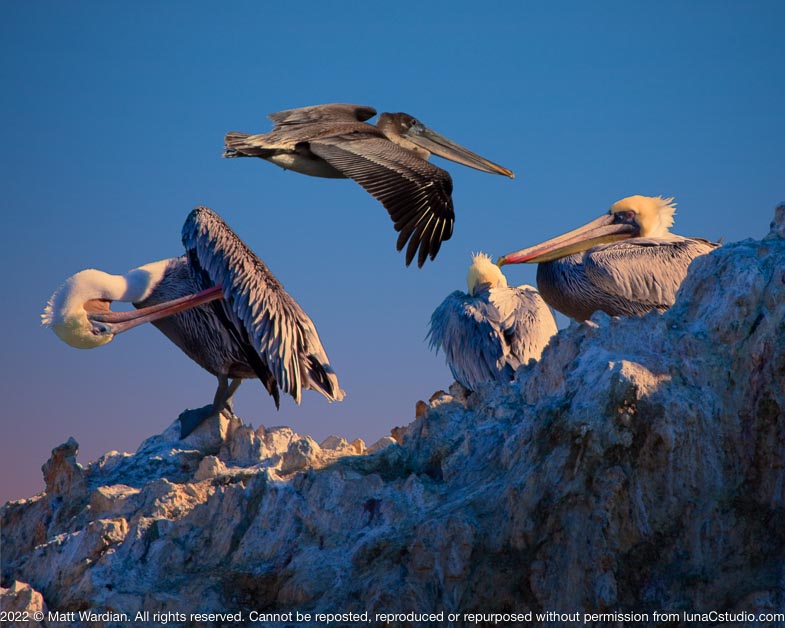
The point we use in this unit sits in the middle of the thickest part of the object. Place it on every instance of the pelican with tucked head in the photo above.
(626, 262)
(219, 303)
(389, 160)
(487, 333)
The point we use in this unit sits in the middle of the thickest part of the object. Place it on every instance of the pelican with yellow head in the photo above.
(625, 263)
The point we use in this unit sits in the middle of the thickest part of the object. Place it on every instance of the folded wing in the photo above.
(258, 308)
(644, 272)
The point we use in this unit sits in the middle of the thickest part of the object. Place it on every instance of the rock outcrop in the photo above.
(638, 467)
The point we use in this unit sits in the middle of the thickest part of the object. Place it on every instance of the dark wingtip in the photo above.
(399, 244)
(423, 255)
(435, 249)
(412, 248)
(421, 245)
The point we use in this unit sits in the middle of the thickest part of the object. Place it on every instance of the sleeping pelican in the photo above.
(219, 303)
(625, 262)
(389, 160)
(489, 332)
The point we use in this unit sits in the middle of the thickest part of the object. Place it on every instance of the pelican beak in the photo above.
(107, 322)
(599, 231)
(439, 145)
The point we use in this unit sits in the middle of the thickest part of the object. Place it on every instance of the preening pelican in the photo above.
(489, 332)
(625, 262)
(389, 160)
(219, 303)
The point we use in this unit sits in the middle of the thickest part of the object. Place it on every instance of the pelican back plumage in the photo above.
(627, 278)
(487, 333)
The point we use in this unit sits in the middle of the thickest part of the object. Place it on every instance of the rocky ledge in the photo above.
(638, 467)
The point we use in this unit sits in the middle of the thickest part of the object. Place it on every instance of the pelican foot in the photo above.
(228, 412)
(191, 419)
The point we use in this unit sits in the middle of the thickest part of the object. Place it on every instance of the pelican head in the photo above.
(411, 134)
(79, 313)
(652, 214)
(484, 274)
(631, 217)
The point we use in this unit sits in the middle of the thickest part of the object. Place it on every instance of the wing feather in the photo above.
(527, 323)
(335, 112)
(644, 272)
(416, 194)
(263, 315)
(486, 337)
(296, 126)
(468, 340)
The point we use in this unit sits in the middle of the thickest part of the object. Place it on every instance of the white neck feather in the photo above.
(68, 300)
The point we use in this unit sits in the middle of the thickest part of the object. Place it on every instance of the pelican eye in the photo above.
(624, 217)
(99, 328)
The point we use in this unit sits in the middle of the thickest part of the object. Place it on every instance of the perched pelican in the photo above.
(487, 333)
(389, 160)
(625, 262)
(219, 303)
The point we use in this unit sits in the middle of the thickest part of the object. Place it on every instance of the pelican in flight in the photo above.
(219, 303)
(626, 262)
(489, 332)
(389, 160)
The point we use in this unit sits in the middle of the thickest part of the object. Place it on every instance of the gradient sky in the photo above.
(113, 116)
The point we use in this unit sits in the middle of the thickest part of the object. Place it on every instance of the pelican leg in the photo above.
(220, 395)
(230, 393)
(225, 392)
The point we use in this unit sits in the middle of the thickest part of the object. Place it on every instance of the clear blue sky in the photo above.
(113, 115)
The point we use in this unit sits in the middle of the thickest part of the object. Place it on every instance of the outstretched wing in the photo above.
(643, 272)
(255, 303)
(417, 194)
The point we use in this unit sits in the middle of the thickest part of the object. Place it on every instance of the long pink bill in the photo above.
(599, 231)
(118, 322)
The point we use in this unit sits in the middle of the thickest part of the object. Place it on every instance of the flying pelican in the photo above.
(487, 333)
(625, 262)
(219, 303)
(389, 160)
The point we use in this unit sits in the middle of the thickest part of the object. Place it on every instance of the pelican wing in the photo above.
(474, 336)
(302, 125)
(644, 272)
(417, 194)
(258, 308)
(526, 322)
(315, 114)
